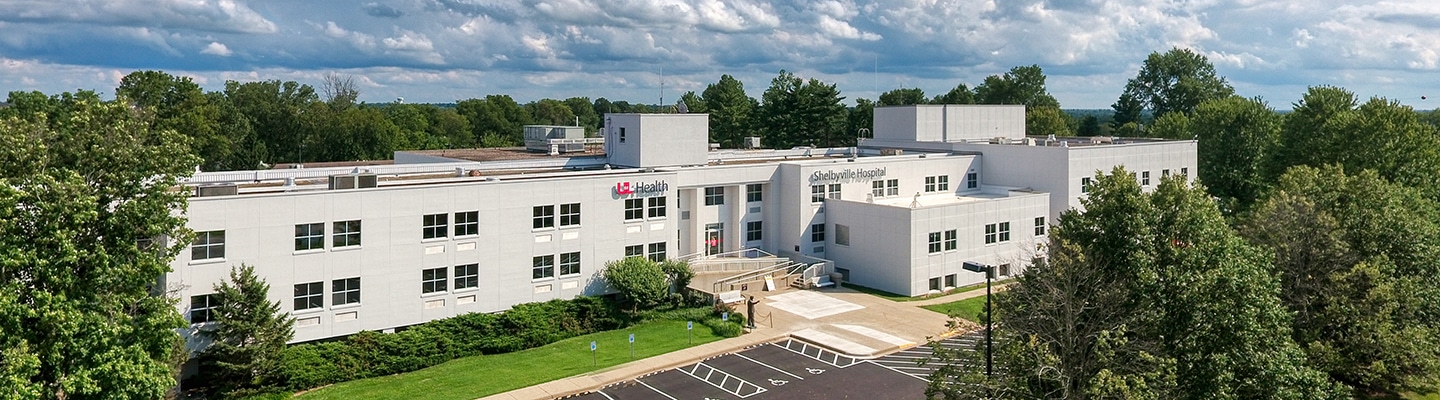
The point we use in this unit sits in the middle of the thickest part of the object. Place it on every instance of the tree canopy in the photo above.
(1178, 80)
(799, 113)
(731, 111)
(87, 225)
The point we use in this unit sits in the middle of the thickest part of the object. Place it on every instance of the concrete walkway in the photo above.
(847, 321)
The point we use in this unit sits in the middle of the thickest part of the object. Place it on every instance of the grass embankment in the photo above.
(901, 297)
(969, 309)
(484, 375)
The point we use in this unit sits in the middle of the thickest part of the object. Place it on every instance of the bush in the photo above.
(368, 354)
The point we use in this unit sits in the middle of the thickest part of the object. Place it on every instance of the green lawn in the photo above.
(479, 376)
(968, 309)
(901, 297)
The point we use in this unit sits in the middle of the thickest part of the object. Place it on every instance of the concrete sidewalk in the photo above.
(879, 326)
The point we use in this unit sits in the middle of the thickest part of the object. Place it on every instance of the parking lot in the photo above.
(789, 369)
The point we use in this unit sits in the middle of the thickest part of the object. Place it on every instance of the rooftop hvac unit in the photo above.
(353, 181)
(228, 189)
(891, 152)
(752, 142)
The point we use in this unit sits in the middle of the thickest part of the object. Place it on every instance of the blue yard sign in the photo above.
(632, 338)
(592, 346)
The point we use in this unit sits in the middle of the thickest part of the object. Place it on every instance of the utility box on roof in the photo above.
(657, 140)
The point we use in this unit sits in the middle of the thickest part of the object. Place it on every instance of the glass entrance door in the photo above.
(713, 237)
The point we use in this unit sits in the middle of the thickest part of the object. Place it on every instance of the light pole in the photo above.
(989, 318)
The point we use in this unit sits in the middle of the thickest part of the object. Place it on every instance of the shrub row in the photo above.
(370, 354)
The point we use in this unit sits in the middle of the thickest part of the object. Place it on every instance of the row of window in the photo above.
(656, 254)
(891, 187)
(210, 245)
(636, 209)
(542, 267)
(994, 233)
(1143, 177)
(544, 216)
(952, 279)
(467, 223)
(715, 195)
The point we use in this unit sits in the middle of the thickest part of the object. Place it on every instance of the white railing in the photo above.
(790, 268)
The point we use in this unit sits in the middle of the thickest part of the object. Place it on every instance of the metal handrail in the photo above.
(789, 268)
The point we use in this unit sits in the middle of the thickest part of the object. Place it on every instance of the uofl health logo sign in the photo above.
(641, 188)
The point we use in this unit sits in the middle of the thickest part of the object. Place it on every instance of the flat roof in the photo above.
(941, 199)
(482, 154)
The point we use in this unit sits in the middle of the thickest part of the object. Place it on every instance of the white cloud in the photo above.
(200, 15)
(216, 48)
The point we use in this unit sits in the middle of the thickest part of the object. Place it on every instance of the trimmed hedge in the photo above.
(368, 354)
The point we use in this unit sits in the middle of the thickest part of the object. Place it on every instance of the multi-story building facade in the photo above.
(381, 247)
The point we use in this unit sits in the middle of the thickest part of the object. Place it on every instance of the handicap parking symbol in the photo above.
(778, 382)
(815, 371)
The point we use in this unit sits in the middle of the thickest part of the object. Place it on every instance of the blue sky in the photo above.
(446, 50)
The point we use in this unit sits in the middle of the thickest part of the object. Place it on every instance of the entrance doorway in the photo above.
(714, 234)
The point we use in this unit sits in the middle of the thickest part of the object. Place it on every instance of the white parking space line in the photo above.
(606, 395)
(653, 388)
(769, 366)
(900, 372)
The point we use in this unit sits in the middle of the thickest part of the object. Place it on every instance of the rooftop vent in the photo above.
(228, 189)
(353, 181)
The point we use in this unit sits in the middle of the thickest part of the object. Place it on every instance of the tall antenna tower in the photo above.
(662, 86)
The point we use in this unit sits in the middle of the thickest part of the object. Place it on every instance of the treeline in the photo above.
(1301, 265)
(255, 125)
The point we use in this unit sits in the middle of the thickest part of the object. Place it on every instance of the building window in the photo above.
(570, 214)
(467, 223)
(657, 252)
(1165, 173)
(1145, 178)
(432, 280)
(344, 291)
(877, 188)
(934, 242)
(309, 236)
(817, 232)
(952, 239)
(1185, 171)
(714, 196)
(990, 235)
(347, 233)
(950, 280)
(842, 235)
(1039, 226)
(1004, 231)
(622, 134)
(939, 183)
(1085, 185)
(202, 308)
(542, 217)
(892, 187)
(435, 225)
(817, 193)
(752, 230)
(634, 209)
(753, 193)
(972, 180)
(467, 276)
(935, 284)
(542, 267)
(834, 192)
(208, 245)
(657, 207)
(1004, 270)
(635, 251)
(309, 296)
(570, 264)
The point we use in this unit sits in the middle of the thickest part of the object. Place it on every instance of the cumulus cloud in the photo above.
(200, 15)
(1087, 47)
(382, 11)
(216, 48)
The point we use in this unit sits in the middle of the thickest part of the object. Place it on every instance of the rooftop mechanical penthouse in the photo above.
(442, 233)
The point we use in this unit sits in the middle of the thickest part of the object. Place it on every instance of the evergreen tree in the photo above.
(247, 338)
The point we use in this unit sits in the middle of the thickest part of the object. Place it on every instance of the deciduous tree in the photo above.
(1178, 80)
(1355, 255)
(88, 225)
(902, 97)
(1236, 138)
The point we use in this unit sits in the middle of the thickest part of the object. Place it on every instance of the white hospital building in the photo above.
(436, 234)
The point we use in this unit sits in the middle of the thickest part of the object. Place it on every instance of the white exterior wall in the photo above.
(890, 245)
(948, 123)
(260, 231)
(657, 140)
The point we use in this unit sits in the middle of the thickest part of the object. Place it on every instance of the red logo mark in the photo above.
(623, 188)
